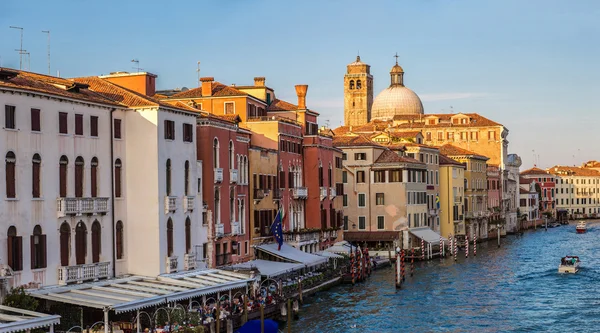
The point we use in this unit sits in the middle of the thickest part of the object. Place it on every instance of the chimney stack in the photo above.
(207, 86)
(301, 92)
(259, 81)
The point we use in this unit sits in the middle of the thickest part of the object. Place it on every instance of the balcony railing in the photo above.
(236, 228)
(82, 273)
(188, 203)
(332, 193)
(277, 194)
(218, 175)
(223, 259)
(170, 204)
(80, 206)
(189, 261)
(233, 176)
(220, 230)
(171, 264)
(303, 237)
(259, 194)
(299, 192)
(323, 193)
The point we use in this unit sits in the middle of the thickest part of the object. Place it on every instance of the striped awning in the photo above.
(137, 292)
(19, 320)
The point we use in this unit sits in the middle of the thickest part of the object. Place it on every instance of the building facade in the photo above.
(547, 185)
(358, 93)
(452, 211)
(577, 191)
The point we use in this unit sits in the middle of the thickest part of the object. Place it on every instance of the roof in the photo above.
(573, 171)
(426, 234)
(292, 254)
(340, 247)
(137, 292)
(328, 254)
(534, 171)
(523, 191)
(445, 160)
(405, 135)
(269, 269)
(21, 80)
(19, 320)
(218, 89)
(388, 156)
(279, 105)
(353, 141)
(591, 164)
(450, 150)
(374, 236)
(445, 120)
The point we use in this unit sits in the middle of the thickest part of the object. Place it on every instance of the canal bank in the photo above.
(513, 288)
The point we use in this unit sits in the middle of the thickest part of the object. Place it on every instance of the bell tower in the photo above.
(358, 93)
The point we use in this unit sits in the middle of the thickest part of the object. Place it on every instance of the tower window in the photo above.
(358, 84)
(351, 84)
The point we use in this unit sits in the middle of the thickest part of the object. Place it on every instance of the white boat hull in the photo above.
(568, 268)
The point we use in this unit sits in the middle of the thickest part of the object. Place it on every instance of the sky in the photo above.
(530, 65)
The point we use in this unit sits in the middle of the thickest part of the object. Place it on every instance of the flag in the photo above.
(437, 200)
(277, 231)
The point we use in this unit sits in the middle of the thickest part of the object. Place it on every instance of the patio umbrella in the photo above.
(253, 326)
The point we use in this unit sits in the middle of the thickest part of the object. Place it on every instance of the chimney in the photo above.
(301, 92)
(207, 86)
(259, 81)
(143, 83)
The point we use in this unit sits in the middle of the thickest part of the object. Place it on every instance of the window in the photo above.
(345, 200)
(362, 222)
(338, 162)
(62, 176)
(80, 243)
(15, 249)
(118, 175)
(65, 243)
(11, 188)
(63, 123)
(186, 182)
(94, 126)
(358, 84)
(168, 176)
(188, 133)
(380, 223)
(169, 130)
(351, 86)
(320, 175)
(379, 176)
(119, 239)
(428, 136)
(360, 156)
(329, 176)
(169, 238)
(188, 235)
(96, 241)
(344, 177)
(9, 117)
(78, 124)
(440, 136)
(79, 165)
(360, 176)
(362, 200)
(38, 248)
(36, 174)
(229, 108)
(215, 153)
(36, 123)
(474, 136)
(117, 128)
(395, 176)
(345, 222)
(94, 177)
(379, 199)
(231, 155)
(344, 156)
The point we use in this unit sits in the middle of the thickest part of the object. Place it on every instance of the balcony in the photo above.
(171, 264)
(223, 259)
(433, 212)
(219, 230)
(80, 206)
(323, 193)
(188, 203)
(82, 273)
(277, 194)
(236, 228)
(259, 194)
(218, 175)
(170, 204)
(233, 176)
(299, 192)
(332, 193)
(189, 261)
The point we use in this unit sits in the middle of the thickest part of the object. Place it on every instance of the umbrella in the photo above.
(253, 326)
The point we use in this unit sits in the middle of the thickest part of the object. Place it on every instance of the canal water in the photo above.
(514, 288)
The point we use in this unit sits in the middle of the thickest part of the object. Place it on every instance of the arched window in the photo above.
(242, 217)
(63, 164)
(38, 248)
(80, 243)
(321, 180)
(119, 240)
(358, 84)
(79, 164)
(118, 175)
(65, 243)
(36, 163)
(351, 84)
(246, 169)
(96, 241)
(11, 188)
(187, 178)
(232, 204)
(215, 153)
(188, 235)
(94, 177)
(217, 207)
(15, 249)
(231, 155)
(168, 176)
(170, 237)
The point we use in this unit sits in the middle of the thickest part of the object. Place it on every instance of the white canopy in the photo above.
(426, 234)
(133, 293)
(328, 254)
(268, 268)
(340, 247)
(292, 254)
(18, 320)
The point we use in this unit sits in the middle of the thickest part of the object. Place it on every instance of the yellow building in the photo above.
(452, 178)
(263, 173)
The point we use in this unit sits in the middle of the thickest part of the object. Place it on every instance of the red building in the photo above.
(547, 184)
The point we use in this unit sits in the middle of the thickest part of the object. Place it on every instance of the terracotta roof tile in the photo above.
(353, 140)
(477, 120)
(389, 156)
(523, 191)
(450, 150)
(279, 105)
(591, 164)
(218, 90)
(534, 171)
(573, 171)
(445, 160)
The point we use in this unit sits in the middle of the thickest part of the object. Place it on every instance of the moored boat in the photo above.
(581, 227)
(569, 264)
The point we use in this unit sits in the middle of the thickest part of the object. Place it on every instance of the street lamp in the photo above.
(498, 232)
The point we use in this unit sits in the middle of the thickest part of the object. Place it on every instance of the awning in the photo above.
(137, 292)
(371, 236)
(18, 320)
(340, 247)
(268, 268)
(328, 254)
(292, 254)
(426, 234)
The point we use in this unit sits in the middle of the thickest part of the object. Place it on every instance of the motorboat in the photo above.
(581, 228)
(569, 264)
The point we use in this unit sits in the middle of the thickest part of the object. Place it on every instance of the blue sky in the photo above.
(531, 65)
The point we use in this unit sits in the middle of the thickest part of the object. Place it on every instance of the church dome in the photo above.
(396, 99)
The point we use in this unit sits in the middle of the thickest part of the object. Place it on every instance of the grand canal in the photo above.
(515, 288)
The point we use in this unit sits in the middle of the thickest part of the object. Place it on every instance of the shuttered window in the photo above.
(94, 177)
(36, 123)
(96, 241)
(78, 124)
(15, 249)
(79, 164)
(117, 128)
(94, 126)
(63, 164)
(80, 243)
(118, 178)
(35, 175)
(170, 238)
(63, 123)
(9, 117)
(119, 240)
(65, 243)
(10, 162)
(188, 235)
(38, 248)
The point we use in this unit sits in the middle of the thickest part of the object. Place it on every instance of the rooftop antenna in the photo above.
(28, 60)
(21, 48)
(326, 123)
(198, 72)
(137, 65)
(48, 32)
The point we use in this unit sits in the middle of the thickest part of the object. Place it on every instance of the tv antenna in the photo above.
(28, 60)
(48, 32)
(198, 72)
(20, 50)
(137, 65)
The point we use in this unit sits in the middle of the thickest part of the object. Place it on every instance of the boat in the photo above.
(569, 264)
(581, 228)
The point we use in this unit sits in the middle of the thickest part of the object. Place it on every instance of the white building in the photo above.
(510, 192)
(577, 192)
(529, 202)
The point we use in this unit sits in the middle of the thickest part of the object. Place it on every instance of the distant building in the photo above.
(546, 183)
(577, 191)
(452, 211)
(529, 206)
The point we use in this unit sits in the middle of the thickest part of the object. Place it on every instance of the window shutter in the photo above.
(10, 252)
(117, 182)
(94, 185)
(32, 251)
(43, 251)
(63, 180)
(79, 181)
(36, 180)
(10, 180)
(19, 263)
(35, 120)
